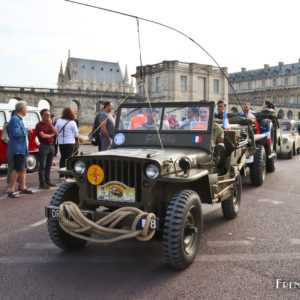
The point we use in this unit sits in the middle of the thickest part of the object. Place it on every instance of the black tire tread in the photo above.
(172, 226)
(58, 236)
(227, 205)
(256, 168)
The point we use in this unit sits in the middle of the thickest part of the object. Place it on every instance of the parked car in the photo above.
(30, 120)
(290, 139)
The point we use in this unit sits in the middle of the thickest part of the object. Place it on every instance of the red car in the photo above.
(30, 120)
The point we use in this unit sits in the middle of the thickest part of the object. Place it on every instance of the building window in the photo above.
(298, 80)
(216, 86)
(249, 85)
(263, 83)
(240, 86)
(286, 99)
(274, 82)
(298, 99)
(157, 84)
(274, 99)
(286, 81)
(183, 80)
(141, 89)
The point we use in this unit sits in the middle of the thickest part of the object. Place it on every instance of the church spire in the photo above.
(61, 68)
(126, 78)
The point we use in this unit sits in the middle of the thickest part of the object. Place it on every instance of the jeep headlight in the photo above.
(79, 167)
(152, 171)
(285, 140)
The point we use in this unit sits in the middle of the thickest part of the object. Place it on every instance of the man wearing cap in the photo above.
(45, 132)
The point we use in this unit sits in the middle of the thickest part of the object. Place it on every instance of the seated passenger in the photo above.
(221, 106)
(138, 120)
(173, 123)
(247, 111)
(204, 113)
(153, 121)
(192, 115)
(217, 135)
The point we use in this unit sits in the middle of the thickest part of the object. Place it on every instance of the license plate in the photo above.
(116, 191)
(52, 212)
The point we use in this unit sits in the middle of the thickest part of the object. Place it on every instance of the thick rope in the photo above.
(81, 227)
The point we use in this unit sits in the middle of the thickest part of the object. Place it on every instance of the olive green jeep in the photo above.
(166, 161)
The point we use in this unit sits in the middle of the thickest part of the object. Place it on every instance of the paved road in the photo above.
(238, 259)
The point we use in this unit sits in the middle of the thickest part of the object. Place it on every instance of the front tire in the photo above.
(231, 206)
(182, 229)
(290, 154)
(258, 167)
(66, 192)
(271, 164)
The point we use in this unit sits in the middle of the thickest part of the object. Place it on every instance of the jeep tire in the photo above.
(66, 192)
(258, 167)
(231, 205)
(182, 229)
(271, 164)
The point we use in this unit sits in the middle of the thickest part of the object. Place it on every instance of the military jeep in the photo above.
(166, 159)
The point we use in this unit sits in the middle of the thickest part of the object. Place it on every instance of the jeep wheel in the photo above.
(32, 162)
(182, 229)
(290, 154)
(294, 150)
(271, 164)
(258, 167)
(298, 150)
(66, 192)
(230, 206)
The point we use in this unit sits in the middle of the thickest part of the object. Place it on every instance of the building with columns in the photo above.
(279, 84)
(93, 75)
(179, 81)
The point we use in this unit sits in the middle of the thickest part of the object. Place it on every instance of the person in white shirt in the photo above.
(68, 135)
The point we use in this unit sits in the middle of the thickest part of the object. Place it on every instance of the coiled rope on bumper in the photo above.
(80, 226)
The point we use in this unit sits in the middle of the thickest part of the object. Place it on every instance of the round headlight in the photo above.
(79, 167)
(152, 171)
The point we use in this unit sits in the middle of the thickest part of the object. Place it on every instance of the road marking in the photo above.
(40, 246)
(33, 225)
(276, 202)
(295, 241)
(237, 257)
(248, 257)
(229, 243)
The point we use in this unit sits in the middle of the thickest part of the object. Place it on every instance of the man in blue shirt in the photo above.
(18, 149)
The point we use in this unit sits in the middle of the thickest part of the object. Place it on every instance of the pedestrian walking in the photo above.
(107, 127)
(18, 149)
(67, 135)
(45, 132)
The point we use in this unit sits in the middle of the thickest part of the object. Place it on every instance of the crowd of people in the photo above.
(51, 134)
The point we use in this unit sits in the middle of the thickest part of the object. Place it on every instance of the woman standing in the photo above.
(68, 135)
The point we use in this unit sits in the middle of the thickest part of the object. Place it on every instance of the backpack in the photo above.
(5, 137)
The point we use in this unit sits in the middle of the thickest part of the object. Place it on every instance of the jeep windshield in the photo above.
(181, 118)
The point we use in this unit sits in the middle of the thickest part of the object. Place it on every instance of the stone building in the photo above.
(179, 81)
(93, 75)
(279, 84)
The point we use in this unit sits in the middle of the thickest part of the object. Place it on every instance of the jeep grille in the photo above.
(125, 171)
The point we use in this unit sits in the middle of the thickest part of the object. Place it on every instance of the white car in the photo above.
(290, 142)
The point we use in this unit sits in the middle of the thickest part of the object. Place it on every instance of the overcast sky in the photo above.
(35, 35)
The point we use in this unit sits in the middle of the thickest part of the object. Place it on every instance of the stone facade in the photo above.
(179, 81)
(85, 103)
(93, 75)
(278, 84)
